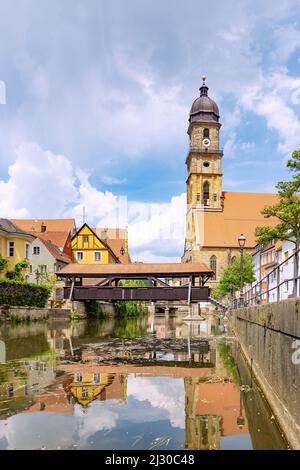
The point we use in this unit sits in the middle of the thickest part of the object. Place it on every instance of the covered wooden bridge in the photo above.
(161, 281)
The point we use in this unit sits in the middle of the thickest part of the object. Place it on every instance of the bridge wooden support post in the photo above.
(72, 289)
(190, 291)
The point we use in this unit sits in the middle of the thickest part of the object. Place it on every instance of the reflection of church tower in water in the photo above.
(202, 432)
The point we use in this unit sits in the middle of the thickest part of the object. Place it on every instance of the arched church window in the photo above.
(213, 266)
(206, 134)
(206, 193)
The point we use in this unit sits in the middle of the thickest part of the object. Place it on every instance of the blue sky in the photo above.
(98, 95)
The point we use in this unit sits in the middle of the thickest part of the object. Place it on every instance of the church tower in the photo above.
(204, 166)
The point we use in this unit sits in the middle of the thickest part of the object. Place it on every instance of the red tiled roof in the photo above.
(116, 239)
(10, 227)
(55, 252)
(241, 214)
(52, 225)
(158, 269)
(57, 238)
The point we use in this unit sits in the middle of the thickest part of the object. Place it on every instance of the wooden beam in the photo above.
(147, 294)
(72, 290)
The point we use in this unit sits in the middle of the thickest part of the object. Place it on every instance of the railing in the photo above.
(256, 295)
(204, 150)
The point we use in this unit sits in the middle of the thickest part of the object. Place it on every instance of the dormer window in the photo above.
(206, 133)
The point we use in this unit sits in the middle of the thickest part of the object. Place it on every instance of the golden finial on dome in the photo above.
(204, 78)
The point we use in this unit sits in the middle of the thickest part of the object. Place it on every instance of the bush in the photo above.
(18, 293)
(3, 264)
(130, 308)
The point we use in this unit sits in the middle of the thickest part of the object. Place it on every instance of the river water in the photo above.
(149, 383)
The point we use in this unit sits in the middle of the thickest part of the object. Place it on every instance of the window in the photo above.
(43, 268)
(85, 393)
(10, 390)
(30, 269)
(36, 250)
(213, 266)
(79, 255)
(11, 248)
(79, 377)
(206, 193)
(97, 256)
(206, 164)
(27, 250)
(206, 133)
(85, 238)
(96, 378)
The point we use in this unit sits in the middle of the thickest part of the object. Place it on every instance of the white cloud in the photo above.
(39, 181)
(163, 393)
(270, 98)
(43, 184)
(287, 40)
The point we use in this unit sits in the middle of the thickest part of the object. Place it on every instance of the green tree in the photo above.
(3, 264)
(45, 278)
(287, 211)
(17, 273)
(230, 281)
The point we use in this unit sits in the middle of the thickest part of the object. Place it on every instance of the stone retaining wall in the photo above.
(34, 313)
(269, 336)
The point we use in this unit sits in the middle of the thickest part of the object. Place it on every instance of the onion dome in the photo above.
(204, 108)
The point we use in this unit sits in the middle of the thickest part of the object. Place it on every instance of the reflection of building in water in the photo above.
(88, 386)
(54, 400)
(27, 378)
(213, 410)
(175, 326)
(196, 329)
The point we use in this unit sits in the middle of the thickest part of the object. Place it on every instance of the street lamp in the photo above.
(242, 241)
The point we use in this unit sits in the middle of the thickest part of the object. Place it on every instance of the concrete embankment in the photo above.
(269, 336)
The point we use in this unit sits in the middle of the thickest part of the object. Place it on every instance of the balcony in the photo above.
(205, 150)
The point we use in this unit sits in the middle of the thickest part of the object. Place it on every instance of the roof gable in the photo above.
(87, 230)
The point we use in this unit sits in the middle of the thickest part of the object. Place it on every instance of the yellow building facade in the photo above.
(88, 248)
(14, 244)
(88, 386)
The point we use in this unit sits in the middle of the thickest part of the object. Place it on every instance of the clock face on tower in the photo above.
(206, 142)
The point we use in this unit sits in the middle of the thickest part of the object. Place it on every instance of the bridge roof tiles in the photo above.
(135, 270)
